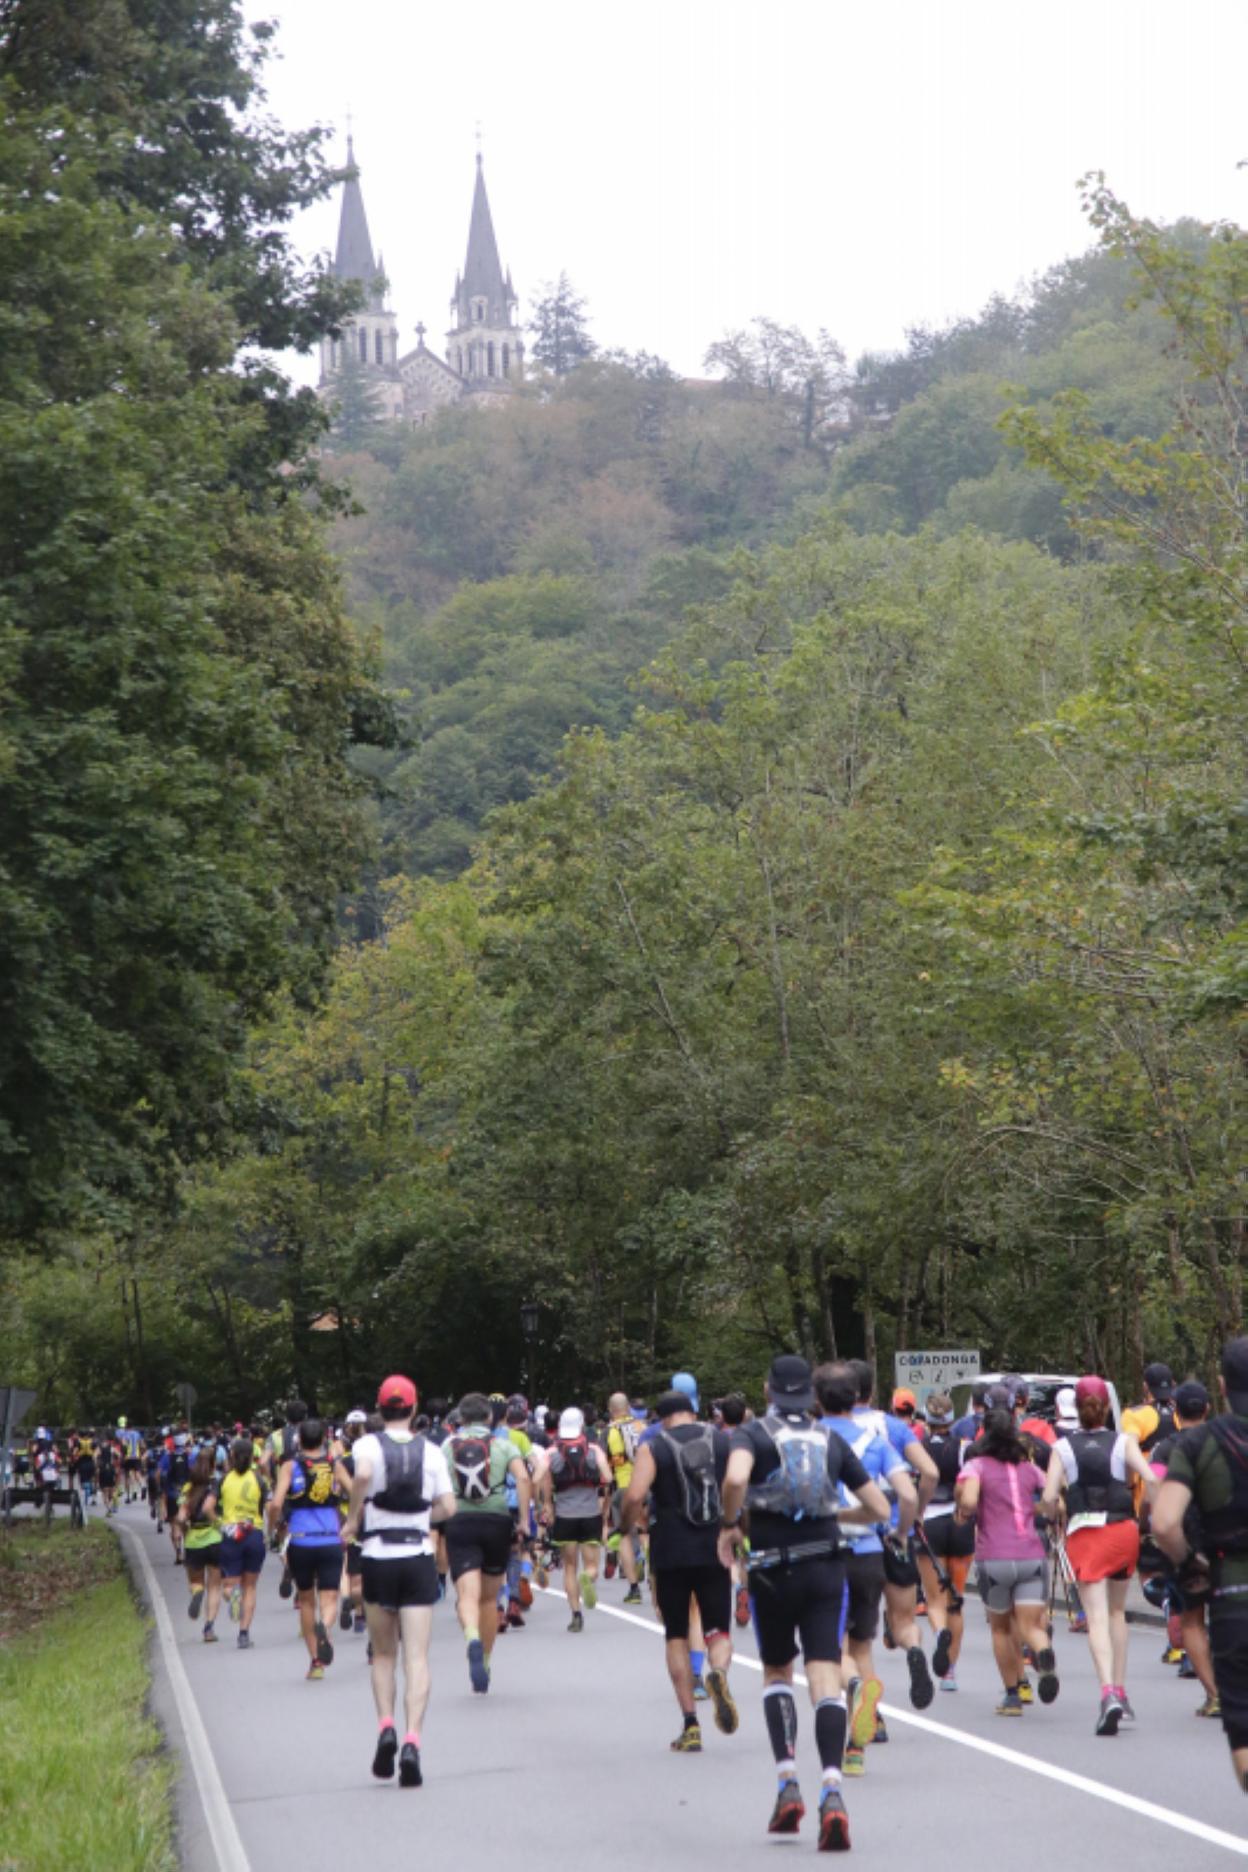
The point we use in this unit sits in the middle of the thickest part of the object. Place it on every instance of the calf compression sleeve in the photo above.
(781, 1713)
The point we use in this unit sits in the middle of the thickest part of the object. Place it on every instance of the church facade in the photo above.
(484, 357)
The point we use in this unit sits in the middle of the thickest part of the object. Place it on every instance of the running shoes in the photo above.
(789, 1810)
(833, 1822)
(727, 1720)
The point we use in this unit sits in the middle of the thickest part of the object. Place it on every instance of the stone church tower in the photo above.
(371, 340)
(484, 351)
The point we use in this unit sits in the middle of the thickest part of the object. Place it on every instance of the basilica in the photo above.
(484, 357)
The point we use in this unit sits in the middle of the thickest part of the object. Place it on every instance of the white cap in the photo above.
(1067, 1408)
(571, 1423)
(357, 1416)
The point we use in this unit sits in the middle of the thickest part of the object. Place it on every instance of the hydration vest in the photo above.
(312, 1502)
(800, 1487)
(404, 1492)
(694, 1458)
(945, 1450)
(577, 1468)
(1226, 1529)
(1166, 1427)
(470, 1454)
(1095, 1488)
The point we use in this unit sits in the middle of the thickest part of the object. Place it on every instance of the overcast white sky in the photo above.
(692, 163)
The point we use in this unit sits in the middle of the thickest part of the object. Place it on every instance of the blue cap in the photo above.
(686, 1382)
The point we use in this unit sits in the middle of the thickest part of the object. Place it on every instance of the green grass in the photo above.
(84, 1786)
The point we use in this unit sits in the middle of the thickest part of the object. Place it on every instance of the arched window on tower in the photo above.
(506, 360)
(489, 359)
(379, 348)
(363, 346)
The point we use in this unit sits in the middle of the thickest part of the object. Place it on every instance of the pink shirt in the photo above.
(1005, 1527)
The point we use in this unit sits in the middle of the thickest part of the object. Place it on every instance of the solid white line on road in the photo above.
(1134, 1803)
(226, 1843)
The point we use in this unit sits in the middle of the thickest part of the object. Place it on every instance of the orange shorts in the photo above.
(1109, 1552)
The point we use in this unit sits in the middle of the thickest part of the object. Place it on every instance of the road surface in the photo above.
(567, 1757)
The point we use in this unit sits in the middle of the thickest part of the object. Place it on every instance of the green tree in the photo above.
(560, 327)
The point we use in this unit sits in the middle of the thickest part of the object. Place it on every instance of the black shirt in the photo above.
(674, 1541)
(777, 1530)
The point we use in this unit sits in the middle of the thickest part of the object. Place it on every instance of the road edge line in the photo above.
(1084, 1784)
(226, 1841)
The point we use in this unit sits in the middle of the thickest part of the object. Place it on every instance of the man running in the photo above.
(787, 1469)
(309, 1494)
(836, 1386)
(683, 1468)
(479, 1538)
(1191, 1409)
(573, 1479)
(623, 1432)
(1152, 1420)
(946, 1546)
(404, 1481)
(901, 1575)
(1208, 1469)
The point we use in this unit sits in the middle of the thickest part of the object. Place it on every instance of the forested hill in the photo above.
(522, 563)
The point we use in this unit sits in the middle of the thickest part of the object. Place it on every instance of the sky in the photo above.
(694, 164)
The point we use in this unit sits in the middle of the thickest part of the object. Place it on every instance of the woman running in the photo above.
(242, 1534)
(197, 1522)
(1092, 1467)
(998, 1490)
(944, 1542)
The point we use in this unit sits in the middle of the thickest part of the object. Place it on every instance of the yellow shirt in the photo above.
(621, 1442)
(242, 1498)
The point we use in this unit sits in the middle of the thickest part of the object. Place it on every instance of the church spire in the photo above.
(483, 295)
(354, 257)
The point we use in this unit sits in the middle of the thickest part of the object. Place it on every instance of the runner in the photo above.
(480, 1536)
(82, 1459)
(106, 1472)
(1152, 1420)
(733, 1412)
(836, 1386)
(242, 1499)
(351, 1616)
(175, 1473)
(404, 1480)
(1208, 1469)
(572, 1481)
(901, 1575)
(786, 1468)
(946, 1546)
(309, 1494)
(683, 1470)
(151, 1465)
(1191, 1409)
(1090, 1466)
(516, 1594)
(196, 1515)
(623, 1433)
(997, 1490)
(131, 1458)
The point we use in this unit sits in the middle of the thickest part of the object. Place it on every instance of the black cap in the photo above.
(1235, 1369)
(1160, 1380)
(999, 1397)
(1191, 1399)
(789, 1383)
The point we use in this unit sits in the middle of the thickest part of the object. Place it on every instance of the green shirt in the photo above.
(1199, 1462)
(503, 1453)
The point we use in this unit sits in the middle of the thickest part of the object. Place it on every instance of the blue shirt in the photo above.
(878, 1458)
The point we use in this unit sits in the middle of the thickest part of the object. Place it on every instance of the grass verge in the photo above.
(83, 1783)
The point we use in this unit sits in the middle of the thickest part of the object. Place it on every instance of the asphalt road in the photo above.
(567, 1757)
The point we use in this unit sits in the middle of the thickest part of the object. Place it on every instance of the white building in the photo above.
(484, 349)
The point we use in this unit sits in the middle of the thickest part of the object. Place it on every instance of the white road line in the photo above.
(226, 1842)
(1134, 1803)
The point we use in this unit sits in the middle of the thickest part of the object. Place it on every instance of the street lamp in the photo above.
(530, 1314)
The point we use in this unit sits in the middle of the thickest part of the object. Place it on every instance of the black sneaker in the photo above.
(833, 1822)
(344, 1614)
(922, 1689)
(387, 1749)
(787, 1814)
(633, 1596)
(1047, 1685)
(286, 1585)
(324, 1648)
(576, 1622)
(244, 1641)
(409, 1766)
(194, 1603)
(940, 1656)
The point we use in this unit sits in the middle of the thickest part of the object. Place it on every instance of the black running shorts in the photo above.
(711, 1586)
(949, 1538)
(864, 1575)
(319, 1567)
(407, 1580)
(798, 1607)
(577, 1531)
(478, 1543)
(1228, 1643)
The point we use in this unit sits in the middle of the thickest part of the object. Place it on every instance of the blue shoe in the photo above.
(476, 1666)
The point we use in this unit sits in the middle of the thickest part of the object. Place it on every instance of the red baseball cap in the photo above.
(396, 1390)
(904, 1399)
(1092, 1386)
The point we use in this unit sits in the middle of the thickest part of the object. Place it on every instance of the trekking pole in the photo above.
(943, 1579)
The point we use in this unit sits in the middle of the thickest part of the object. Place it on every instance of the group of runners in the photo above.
(827, 1522)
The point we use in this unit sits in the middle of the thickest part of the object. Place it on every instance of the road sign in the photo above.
(925, 1372)
(186, 1395)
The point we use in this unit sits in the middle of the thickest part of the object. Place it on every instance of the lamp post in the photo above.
(530, 1313)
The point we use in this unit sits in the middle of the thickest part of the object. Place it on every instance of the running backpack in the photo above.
(179, 1468)
(800, 1486)
(695, 1467)
(626, 1431)
(470, 1466)
(404, 1492)
(577, 1468)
